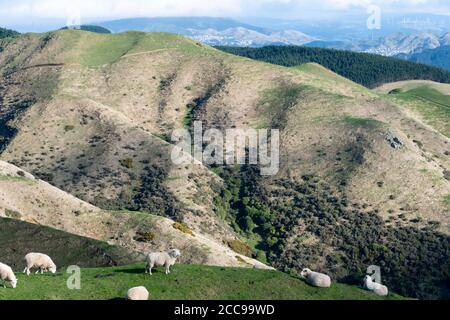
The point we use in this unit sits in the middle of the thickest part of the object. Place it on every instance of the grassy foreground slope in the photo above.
(186, 282)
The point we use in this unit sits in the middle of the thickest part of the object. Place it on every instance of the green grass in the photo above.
(360, 122)
(110, 48)
(101, 49)
(447, 200)
(186, 282)
(432, 95)
(431, 104)
(16, 179)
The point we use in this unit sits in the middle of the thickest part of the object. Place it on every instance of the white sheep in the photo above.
(157, 259)
(375, 287)
(137, 293)
(41, 261)
(316, 279)
(7, 275)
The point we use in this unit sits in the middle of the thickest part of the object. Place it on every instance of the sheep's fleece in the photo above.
(6, 274)
(137, 293)
(41, 261)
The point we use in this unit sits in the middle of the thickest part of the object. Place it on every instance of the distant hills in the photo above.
(390, 45)
(213, 31)
(439, 57)
(366, 69)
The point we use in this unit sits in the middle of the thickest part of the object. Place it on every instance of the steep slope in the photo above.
(99, 139)
(354, 187)
(36, 203)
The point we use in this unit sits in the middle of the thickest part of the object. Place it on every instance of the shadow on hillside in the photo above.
(131, 271)
(139, 271)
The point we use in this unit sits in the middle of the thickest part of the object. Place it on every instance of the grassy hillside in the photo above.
(362, 179)
(366, 69)
(184, 283)
(430, 100)
(18, 238)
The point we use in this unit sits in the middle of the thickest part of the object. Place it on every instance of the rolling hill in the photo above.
(366, 69)
(93, 114)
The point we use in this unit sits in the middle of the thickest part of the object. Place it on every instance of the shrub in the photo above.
(12, 214)
(240, 247)
(127, 163)
(69, 128)
(183, 228)
(142, 236)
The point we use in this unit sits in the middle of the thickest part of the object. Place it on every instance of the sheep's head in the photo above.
(305, 272)
(174, 253)
(367, 279)
(52, 269)
(14, 283)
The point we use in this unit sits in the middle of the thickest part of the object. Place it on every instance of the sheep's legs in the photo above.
(167, 270)
(27, 271)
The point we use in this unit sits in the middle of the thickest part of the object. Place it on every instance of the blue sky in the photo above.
(22, 12)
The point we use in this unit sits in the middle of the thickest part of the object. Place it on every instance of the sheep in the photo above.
(137, 293)
(316, 279)
(41, 261)
(7, 275)
(167, 259)
(375, 287)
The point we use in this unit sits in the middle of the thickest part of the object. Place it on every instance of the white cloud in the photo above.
(131, 8)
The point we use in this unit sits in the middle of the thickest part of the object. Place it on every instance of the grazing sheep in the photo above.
(316, 279)
(157, 259)
(137, 293)
(7, 275)
(41, 261)
(375, 287)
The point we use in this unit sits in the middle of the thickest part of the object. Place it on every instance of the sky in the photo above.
(23, 12)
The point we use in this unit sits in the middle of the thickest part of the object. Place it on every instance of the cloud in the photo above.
(105, 9)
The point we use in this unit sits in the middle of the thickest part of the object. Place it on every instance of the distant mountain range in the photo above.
(391, 45)
(402, 36)
(439, 57)
(213, 31)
